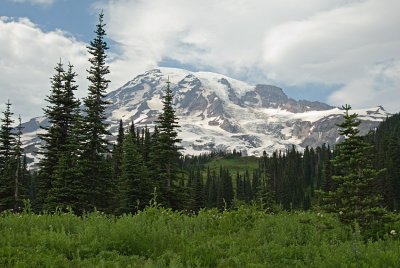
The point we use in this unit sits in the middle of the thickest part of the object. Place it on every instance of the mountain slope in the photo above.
(220, 113)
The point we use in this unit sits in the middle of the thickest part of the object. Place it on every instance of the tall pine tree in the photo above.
(7, 150)
(95, 129)
(66, 189)
(166, 154)
(53, 138)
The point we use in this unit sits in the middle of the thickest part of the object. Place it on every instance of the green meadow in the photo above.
(158, 237)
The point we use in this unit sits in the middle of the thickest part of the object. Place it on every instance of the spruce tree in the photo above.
(7, 150)
(134, 190)
(7, 137)
(354, 199)
(225, 193)
(20, 185)
(197, 190)
(54, 135)
(95, 129)
(58, 174)
(210, 190)
(95, 105)
(117, 153)
(67, 186)
(166, 154)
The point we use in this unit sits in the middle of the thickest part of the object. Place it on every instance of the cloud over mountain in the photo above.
(281, 42)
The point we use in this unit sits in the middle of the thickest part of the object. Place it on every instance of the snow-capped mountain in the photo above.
(220, 113)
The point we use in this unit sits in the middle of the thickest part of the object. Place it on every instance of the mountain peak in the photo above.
(217, 112)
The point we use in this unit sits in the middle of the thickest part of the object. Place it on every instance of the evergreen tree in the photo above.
(166, 154)
(225, 192)
(116, 161)
(134, 187)
(68, 181)
(354, 198)
(7, 137)
(386, 140)
(54, 136)
(210, 190)
(63, 146)
(20, 185)
(118, 151)
(146, 145)
(7, 151)
(95, 129)
(197, 191)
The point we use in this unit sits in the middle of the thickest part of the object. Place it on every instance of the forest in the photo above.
(139, 201)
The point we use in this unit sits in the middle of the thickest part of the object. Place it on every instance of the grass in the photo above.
(158, 237)
(234, 165)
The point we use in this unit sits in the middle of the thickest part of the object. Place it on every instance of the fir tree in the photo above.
(7, 151)
(95, 105)
(225, 192)
(197, 190)
(210, 190)
(59, 181)
(166, 154)
(7, 137)
(134, 190)
(95, 129)
(354, 197)
(118, 151)
(54, 136)
(20, 185)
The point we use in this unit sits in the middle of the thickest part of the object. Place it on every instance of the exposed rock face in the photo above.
(218, 112)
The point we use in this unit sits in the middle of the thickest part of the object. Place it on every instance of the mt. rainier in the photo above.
(217, 112)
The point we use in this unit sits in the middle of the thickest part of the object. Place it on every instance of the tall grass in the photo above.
(158, 237)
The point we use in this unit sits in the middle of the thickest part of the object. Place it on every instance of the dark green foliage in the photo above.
(165, 155)
(225, 193)
(60, 176)
(54, 137)
(134, 185)
(386, 139)
(14, 177)
(355, 198)
(244, 191)
(7, 137)
(197, 190)
(21, 175)
(7, 160)
(95, 146)
(96, 142)
(210, 190)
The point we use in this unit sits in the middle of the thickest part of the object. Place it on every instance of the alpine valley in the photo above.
(220, 113)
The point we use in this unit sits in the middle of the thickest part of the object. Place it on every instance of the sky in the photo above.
(335, 51)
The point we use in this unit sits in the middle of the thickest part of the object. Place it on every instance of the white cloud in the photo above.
(226, 35)
(27, 60)
(355, 43)
(283, 42)
(379, 87)
(35, 2)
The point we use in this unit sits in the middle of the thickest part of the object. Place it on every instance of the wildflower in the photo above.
(340, 212)
(393, 232)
